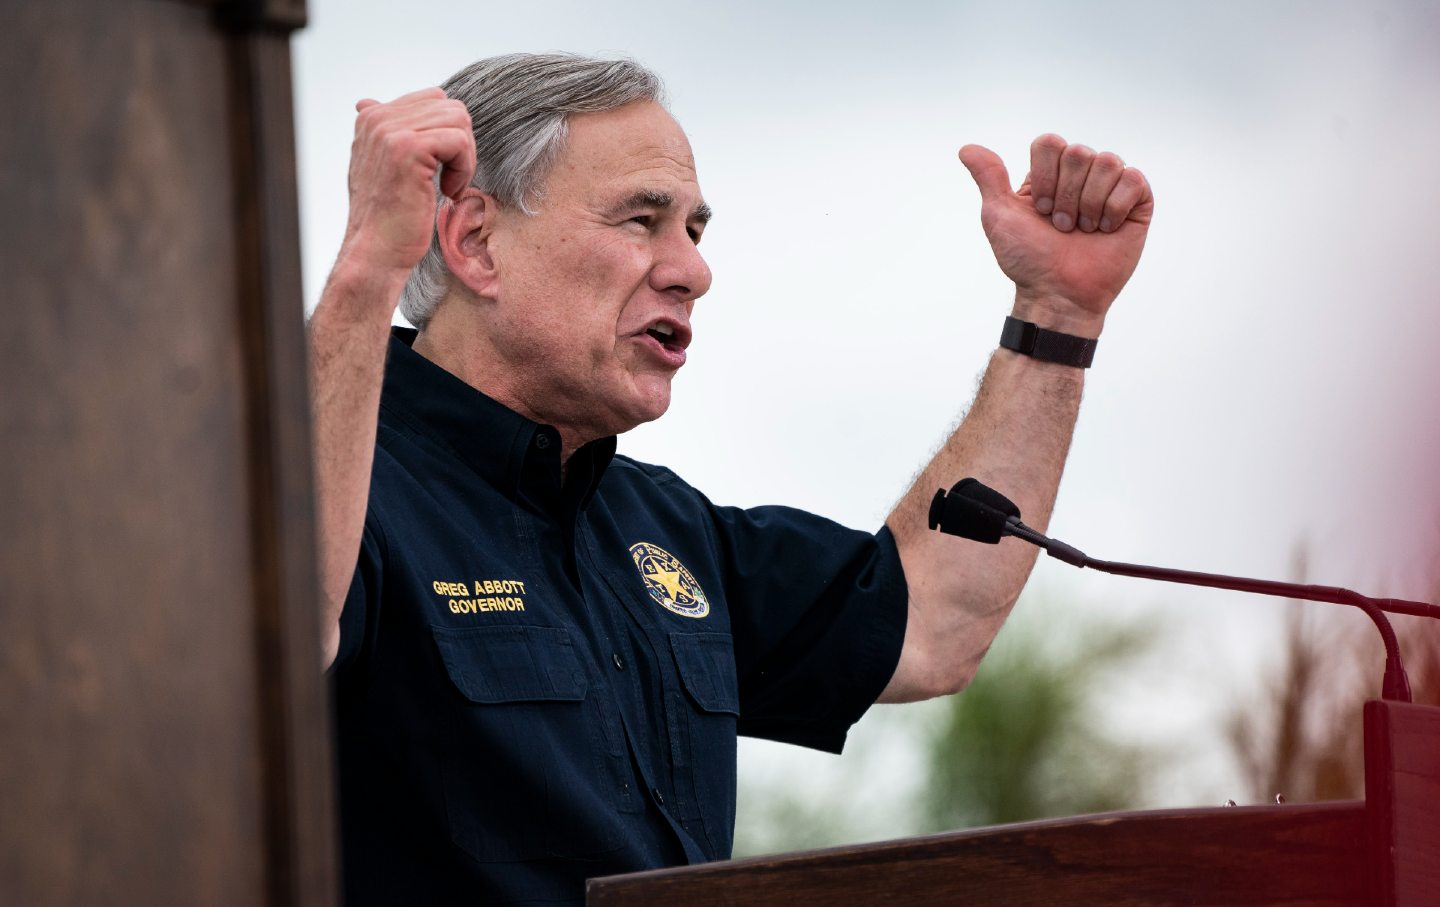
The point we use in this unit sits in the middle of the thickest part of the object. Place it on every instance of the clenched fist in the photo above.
(1071, 235)
(397, 149)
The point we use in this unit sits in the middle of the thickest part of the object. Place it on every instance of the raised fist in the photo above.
(397, 149)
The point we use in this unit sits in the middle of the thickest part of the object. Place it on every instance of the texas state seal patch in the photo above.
(672, 586)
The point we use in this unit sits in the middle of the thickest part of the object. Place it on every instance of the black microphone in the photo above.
(978, 512)
(975, 511)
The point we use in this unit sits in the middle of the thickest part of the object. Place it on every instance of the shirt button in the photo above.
(619, 662)
(542, 440)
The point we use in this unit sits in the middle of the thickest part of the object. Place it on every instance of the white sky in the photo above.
(1265, 379)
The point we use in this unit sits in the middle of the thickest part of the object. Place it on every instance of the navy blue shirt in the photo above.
(542, 682)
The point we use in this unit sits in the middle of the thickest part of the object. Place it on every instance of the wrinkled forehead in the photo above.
(626, 148)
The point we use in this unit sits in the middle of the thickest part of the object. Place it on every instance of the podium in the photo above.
(1384, 850)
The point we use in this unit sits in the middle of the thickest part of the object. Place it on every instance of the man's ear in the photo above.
(464, 227)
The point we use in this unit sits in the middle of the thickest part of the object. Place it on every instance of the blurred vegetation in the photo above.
(1023, 741)
(1303, 737)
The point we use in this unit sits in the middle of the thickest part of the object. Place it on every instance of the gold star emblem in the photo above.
(669, 584)
(670, 579)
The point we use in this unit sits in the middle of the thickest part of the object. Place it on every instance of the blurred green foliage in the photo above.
(1023, 741)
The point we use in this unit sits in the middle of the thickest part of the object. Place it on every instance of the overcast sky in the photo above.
(1265, 379)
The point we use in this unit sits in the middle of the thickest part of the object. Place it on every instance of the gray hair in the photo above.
(519, 105)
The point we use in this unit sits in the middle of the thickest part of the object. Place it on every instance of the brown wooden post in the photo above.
(163, 726)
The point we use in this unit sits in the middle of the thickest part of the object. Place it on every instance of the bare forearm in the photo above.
(348, 335)
(1069, 238)
(1014, 438)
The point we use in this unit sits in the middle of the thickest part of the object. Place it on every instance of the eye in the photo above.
(644, 220)
(694, 235)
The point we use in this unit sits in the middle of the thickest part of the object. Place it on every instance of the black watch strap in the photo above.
(1048, 346)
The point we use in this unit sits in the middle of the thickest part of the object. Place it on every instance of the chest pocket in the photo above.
(512, 664)
(704, 751)
(707, 668)
(534, 765)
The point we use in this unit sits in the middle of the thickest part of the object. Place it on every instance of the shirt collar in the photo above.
(505, 448)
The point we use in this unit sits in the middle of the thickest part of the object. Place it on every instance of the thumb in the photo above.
(987, 170)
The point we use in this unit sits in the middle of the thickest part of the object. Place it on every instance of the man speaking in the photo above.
(543, 651)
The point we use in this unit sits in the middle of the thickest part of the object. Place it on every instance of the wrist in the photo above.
(1056, 313)
(360, 262)
(360, 291)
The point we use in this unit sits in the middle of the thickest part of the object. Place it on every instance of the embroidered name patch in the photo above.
(490, 595)
(671, 586)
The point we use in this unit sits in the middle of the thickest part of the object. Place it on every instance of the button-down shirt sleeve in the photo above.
(818, 615)
(362, 603)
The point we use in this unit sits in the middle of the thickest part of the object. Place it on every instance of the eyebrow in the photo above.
(654, 198)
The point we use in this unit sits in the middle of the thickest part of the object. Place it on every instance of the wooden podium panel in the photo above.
(162, 719)
(1310, 855)
(1402, 786)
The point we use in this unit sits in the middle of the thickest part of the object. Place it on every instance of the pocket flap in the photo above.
(512, 663)
(707, 668)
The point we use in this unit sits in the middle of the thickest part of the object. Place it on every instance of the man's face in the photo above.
(595, 291)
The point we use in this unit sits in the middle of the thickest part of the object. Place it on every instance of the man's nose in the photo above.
(680, 268)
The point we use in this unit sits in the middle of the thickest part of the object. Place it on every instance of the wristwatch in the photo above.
(1047, 346)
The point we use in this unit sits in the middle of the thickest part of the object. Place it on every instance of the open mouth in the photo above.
(670, 334)
(671, 337)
